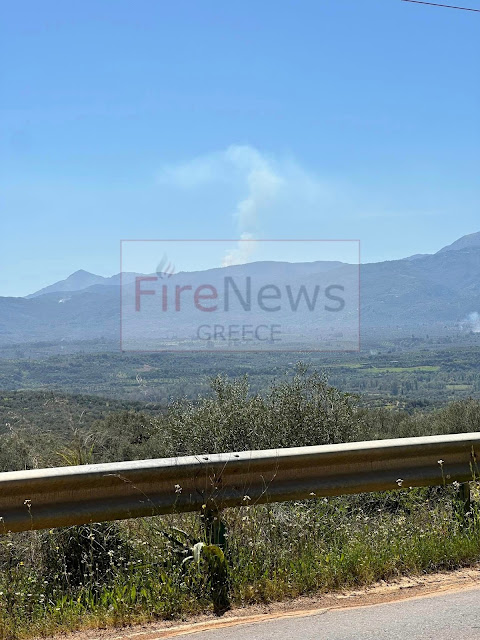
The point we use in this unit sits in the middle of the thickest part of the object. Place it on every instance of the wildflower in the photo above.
(27, 502)
(178, 488)
(245, 498)
(399, 482)
(440, 462)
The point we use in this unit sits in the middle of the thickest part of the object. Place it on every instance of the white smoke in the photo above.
(262, 182)
(268, 185)
(243, 251)
(263, 185)
(472, 322)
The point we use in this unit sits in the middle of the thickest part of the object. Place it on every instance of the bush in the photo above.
(299, 412)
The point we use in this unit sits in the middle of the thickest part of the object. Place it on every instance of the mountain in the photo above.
(82, 280)
(472, 241)
(440, 290)
(75, 282)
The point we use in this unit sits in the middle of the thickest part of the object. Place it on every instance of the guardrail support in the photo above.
(464, 498)
(214, 529)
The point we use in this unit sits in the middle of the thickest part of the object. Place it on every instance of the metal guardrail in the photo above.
(56, 497)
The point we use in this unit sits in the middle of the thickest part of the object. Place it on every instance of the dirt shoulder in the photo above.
(381, 592)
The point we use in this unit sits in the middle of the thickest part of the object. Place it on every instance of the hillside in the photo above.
(54, 412)
(471, 241)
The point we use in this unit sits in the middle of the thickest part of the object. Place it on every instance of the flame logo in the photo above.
(165, 269)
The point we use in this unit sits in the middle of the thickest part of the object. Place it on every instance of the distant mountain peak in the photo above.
(470, 241)
(76, 281)
(83, 273)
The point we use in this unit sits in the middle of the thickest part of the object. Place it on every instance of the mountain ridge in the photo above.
(441, 289)
(82, 279)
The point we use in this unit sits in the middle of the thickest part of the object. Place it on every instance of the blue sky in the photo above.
(212, 119)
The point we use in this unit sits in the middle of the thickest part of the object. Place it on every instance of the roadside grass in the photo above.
(131, 572)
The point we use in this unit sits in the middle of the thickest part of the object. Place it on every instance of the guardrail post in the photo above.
(464, 499)
(214, 534)
(214, 529)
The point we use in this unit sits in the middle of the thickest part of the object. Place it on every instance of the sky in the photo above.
(148, 119)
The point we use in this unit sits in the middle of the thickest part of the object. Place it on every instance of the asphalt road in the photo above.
(450, 616)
